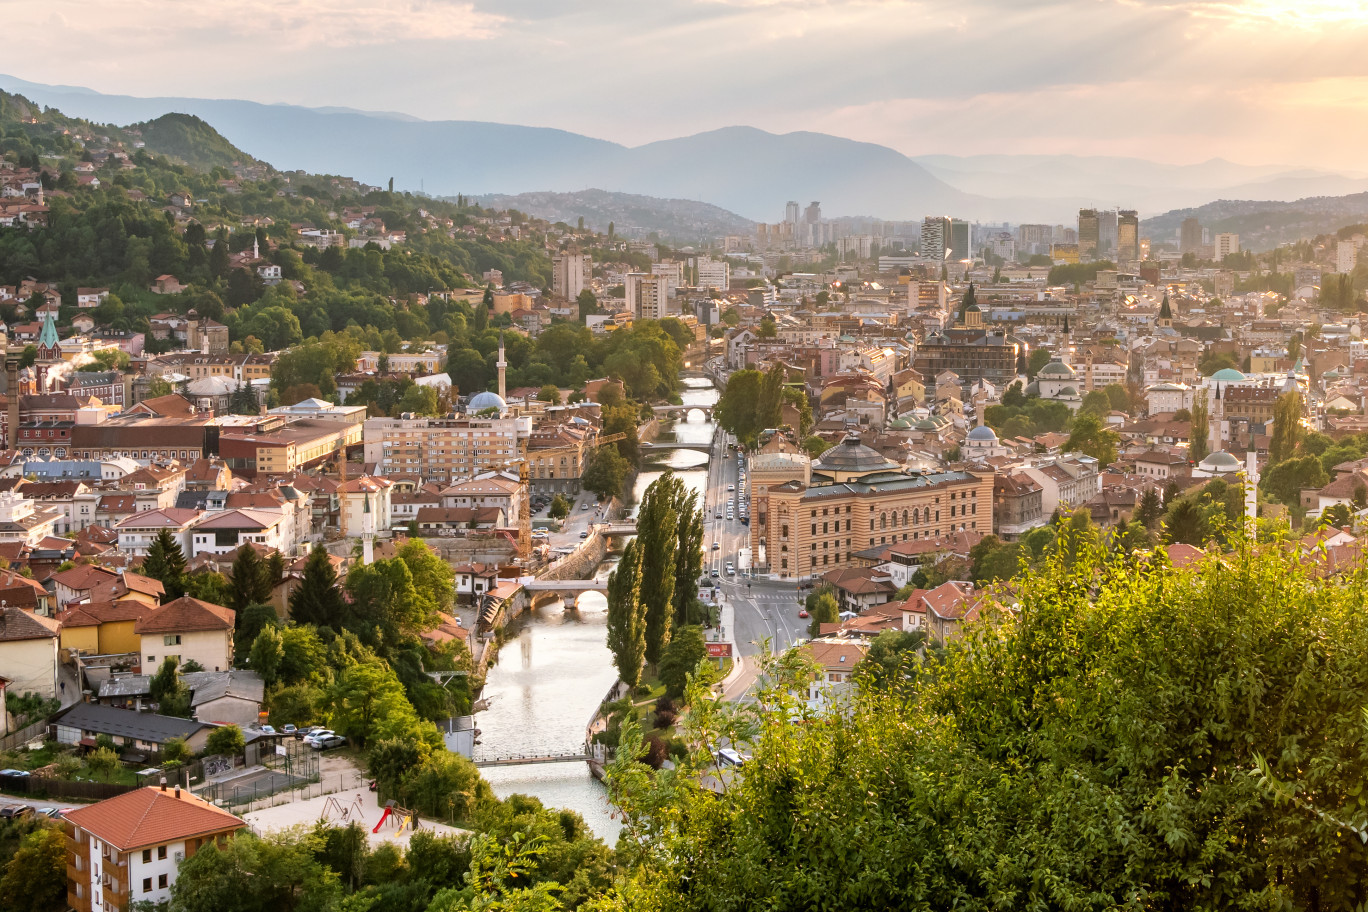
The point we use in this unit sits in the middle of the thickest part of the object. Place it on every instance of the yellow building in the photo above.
(103, 628)
(859, 499)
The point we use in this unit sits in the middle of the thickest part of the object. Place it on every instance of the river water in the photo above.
(556, 668)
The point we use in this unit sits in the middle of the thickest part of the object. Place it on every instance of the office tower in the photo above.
(571, 273)
(791, 212)
(1226, 244)
(813, 213)
(1087, 234)
(960, 246)
(1127, 239)
(1190, 236)
(1106, 234)
(935, 237)
(1034, 239)
(714, 274)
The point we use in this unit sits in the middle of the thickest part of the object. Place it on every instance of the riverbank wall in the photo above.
(599, 756)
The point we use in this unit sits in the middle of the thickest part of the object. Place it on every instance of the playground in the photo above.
(383, 823)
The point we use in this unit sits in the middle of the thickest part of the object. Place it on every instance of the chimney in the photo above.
(177, 791)
(163, 783)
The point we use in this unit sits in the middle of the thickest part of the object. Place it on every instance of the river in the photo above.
(556, 666)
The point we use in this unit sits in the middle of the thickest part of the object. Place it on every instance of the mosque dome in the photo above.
(486, 400)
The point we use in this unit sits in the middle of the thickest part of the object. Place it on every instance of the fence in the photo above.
(247, 798)
(23, 735)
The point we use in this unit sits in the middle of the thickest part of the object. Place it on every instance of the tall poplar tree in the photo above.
(658, 538)
(1199, 445)
(1287, 413)
(689, 561)
(627, 616)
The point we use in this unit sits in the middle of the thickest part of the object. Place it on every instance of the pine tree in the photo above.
(165, 562)
(318, 599)
(658, 533)
(251, 582)
(1149, 511)
(627, 616)
(275, 568)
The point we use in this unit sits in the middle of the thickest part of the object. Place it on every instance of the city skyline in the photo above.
(1171, 81)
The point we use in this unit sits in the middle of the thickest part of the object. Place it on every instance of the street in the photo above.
(764, 609)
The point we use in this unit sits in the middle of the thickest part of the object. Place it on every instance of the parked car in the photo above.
(15, 811)
(54, 813)
(268, 730)
(323, 742)
(729, 757)
(289, 729)
(584, 534)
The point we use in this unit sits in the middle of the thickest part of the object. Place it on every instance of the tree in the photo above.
(560, 507)
(605, 472)
(1287, 413)
(687, 648)
(276, 873)
(103, 762)
(168, 691)
(1285, 481)
(266, 654)
(368, 702)
(824, 610)
(35, 876)
(658, 533)
(1096, 404)
(1089, 435)
(549, 393)
(1073, 713)
(165, 562)
(627, 616)
(891, 659)
(226, 741)
(688, 557)
(767, 329)
(317, 599)
(250, 580)
(1336, 516)
(1039, 357)
(736, 408)
(257, 617)
(1149, 510)
(1186, 523)
(993, 559)
(587, 304)
(1199, 445)
(1117, 397)
(176, 751)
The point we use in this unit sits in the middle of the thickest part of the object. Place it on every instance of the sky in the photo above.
(1180, 81)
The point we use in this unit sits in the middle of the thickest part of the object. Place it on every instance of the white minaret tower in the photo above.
(367, 533)
(256, 249)
(1251, 493)
(502, 364)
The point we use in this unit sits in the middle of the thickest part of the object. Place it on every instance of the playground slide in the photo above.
(389, 808)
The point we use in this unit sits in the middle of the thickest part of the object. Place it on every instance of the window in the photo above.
(147, 858)
(161, 878)
(147, 882)
(152, 660)
(171, 639)
(161, 856)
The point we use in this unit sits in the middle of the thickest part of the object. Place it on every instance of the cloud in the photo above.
(267, 25)
(1308, 14)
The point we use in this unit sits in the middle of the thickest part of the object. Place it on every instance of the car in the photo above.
(268, 730)
(584, 534)
(802, 613)
(289, 729)
(327, 741)
(731, 571)
(586, 506)
(714, 574)
(54, 813)
(15, 811)
(729, 757)
(717, 515)
(319, 733)
(716, 546)
(731, 488)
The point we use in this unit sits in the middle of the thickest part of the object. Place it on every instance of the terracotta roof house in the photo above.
(187, 629)
(128, 849)
(77, 583)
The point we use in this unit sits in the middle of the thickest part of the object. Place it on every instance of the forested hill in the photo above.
(188, 139)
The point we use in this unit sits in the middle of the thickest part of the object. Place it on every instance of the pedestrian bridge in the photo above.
(617, 528)
(528, 759)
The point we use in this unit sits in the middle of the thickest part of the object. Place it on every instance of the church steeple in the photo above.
(1165, 313)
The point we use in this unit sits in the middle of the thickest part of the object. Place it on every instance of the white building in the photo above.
(1346, 254)
(1226, 244)
(1168, 397)
(1066, 482)
(647, 296)
(713, 274)
(571, 273)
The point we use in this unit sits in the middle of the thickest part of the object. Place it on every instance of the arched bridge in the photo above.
(624, 527)
(567, 590)
(682, 411)
(648, 446)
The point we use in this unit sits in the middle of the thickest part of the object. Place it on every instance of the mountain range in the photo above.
(747, 173)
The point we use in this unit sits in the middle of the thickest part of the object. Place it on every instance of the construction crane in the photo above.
(525, 478)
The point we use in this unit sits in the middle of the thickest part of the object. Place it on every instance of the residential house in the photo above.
(28, 652)
(128, 849)
(836, 661)
(186, 630)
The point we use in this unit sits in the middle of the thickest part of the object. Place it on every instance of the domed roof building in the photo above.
(982, 443)
(485, 400)
(1058, 381)
(1228, 375)
(1218, 464)
(851, 460)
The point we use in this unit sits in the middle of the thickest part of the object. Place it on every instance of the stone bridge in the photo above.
(567, 590)
(682, 411)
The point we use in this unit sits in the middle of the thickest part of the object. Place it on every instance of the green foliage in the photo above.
(1199, 443)
(103, 762)
(168, 691)
(317, 599)
(627, 616)
(34, 878)
(1090, 436)
(176, 751)
(993, 559)
(1287, 429)
(1077, 273)
(605, 472)
(1285, 481)
(560, 507)
(658, 537)
(257, 874)
(226, 741)
(165, 562)
(1149, 510)
(824, 610)
(687, 648)
(751, 402)
(1336, 516)
(1035, 416)
(249, 580)
(1156, 739)
(368, 702)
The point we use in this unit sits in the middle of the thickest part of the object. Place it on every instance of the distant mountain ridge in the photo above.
(1264, 224)
(681, 221)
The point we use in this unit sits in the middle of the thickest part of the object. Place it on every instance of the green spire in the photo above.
(1165, 313)
(48, 337)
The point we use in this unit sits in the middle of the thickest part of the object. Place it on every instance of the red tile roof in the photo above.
(149, 817)
(186, 614)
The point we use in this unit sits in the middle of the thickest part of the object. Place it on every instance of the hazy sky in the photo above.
(1259, 81)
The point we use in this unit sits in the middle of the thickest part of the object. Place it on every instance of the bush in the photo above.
(225, 741)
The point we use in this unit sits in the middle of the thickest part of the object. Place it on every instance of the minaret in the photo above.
(1217, 422)
(502, 364)
(367, 533)
(1066, 342)
(256, 249)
